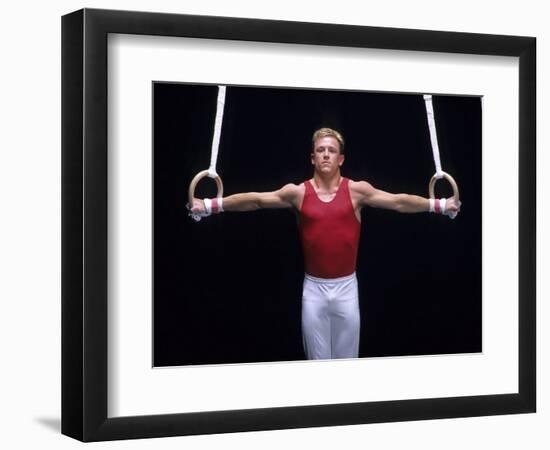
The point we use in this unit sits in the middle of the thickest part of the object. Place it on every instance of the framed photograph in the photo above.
(273, 224)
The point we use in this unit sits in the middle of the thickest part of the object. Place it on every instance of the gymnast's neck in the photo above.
(327, 182)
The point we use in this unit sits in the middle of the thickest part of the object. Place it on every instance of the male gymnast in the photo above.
(329, 208)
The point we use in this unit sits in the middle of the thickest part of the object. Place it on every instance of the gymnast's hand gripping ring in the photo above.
(451, 181)
(200, 176)
(453, 184)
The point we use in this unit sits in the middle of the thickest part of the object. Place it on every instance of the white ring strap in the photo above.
(433, 135)
(217, 132)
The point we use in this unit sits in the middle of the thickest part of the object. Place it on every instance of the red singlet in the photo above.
(329, 232)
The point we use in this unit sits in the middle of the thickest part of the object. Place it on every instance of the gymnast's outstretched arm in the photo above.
(365, 194)
(286, 197)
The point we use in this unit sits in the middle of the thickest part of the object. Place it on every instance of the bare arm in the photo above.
(250, 201)
(366, 195)
(286, 197)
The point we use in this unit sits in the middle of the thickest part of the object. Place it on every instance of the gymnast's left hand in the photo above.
(452, 208)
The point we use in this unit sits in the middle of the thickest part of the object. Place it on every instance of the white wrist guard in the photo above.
(438, 206)
(213, 206)
(207, 206)
(220, 204)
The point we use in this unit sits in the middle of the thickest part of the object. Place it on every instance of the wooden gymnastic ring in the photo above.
(197, 178)
(451, 181)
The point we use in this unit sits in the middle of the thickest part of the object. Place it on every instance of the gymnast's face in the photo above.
(326, 157)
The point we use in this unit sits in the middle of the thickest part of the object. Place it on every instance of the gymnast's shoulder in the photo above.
(361, 187)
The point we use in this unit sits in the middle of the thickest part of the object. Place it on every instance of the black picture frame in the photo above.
(84, 224)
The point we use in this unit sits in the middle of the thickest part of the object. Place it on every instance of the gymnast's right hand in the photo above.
(203, 208)
(198, 210)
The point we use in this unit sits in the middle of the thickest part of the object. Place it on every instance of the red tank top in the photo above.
(329, 233)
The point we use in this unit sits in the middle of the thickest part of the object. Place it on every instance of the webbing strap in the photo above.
(217, 132)
(433, 135)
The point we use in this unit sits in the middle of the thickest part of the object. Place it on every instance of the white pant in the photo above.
(330, 317)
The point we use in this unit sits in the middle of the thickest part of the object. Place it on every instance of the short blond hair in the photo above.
(328, 132)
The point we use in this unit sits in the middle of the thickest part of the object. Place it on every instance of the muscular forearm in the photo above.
(411, 204)
(248, 201)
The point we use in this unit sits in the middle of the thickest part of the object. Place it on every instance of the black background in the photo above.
(228, 288)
